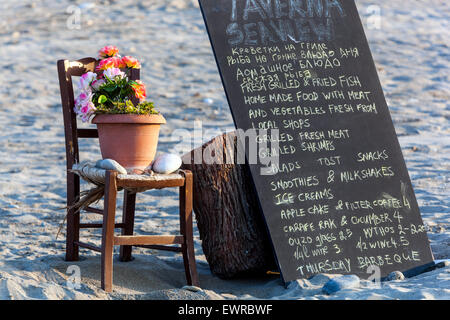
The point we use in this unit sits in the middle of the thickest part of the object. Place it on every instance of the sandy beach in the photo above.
(412, 55)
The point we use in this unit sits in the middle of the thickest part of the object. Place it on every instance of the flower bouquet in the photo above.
(128, 126)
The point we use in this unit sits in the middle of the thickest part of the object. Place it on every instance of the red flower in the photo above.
(139, 90)
(119, 63)
(107, 63)
(108, 51)
(131, 62)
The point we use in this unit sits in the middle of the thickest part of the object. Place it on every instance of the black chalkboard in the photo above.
(329, 175)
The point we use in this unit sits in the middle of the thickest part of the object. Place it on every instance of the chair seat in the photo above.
(134, 182)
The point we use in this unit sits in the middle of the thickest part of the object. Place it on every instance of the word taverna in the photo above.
(269, 21)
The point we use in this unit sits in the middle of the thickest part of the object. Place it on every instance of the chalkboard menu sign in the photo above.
(334, 188)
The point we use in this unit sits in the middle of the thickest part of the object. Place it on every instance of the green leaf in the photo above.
(102, 99)
(110, 88)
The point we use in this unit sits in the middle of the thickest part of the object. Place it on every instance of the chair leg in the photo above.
(108, 230)
(73, 235)
(186, 230)
(129, 204)
(73, 219)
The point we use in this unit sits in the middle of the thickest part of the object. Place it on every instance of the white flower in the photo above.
(96, 84)
(83, 97)
(86, 111)
(86, 79)
(111, 73)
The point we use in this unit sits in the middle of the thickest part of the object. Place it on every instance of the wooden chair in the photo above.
(66, 70)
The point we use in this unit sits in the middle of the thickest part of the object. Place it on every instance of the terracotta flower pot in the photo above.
(129, 139)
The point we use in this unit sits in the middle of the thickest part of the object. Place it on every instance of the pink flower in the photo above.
(84, 109)
(108, 51)
(84, 97)
(85, 118)
(118, 63)
(107, 63)
(111, 73)
(96, 84)
(112, 62)
(86, 79)
(131, 62)
(87, 110)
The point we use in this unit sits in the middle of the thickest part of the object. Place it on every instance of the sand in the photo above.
(412, 56)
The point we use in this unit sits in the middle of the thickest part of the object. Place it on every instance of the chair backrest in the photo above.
(66, 70)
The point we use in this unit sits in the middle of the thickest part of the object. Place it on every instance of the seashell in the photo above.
(109, 164)
(98, 163)
(192, 288)
(340, 283)
(166, 163)
(395, 275)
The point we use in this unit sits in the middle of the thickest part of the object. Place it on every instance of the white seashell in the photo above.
(98, 163)
(192, 288)
(109, 164)
(395, 275)
(166, 163)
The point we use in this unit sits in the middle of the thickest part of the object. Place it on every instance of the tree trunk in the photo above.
(234, 237)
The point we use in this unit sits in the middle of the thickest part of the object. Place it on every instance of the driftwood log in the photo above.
(234, 237)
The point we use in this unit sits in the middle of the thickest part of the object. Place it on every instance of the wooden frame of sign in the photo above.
(329, 171)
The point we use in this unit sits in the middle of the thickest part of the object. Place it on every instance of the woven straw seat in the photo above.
(131, 182)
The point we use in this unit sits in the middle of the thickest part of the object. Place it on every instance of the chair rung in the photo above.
(94, 210)
(88, 246)
(99, 225)
(147, 240)
(87, 133)
(159, 247)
